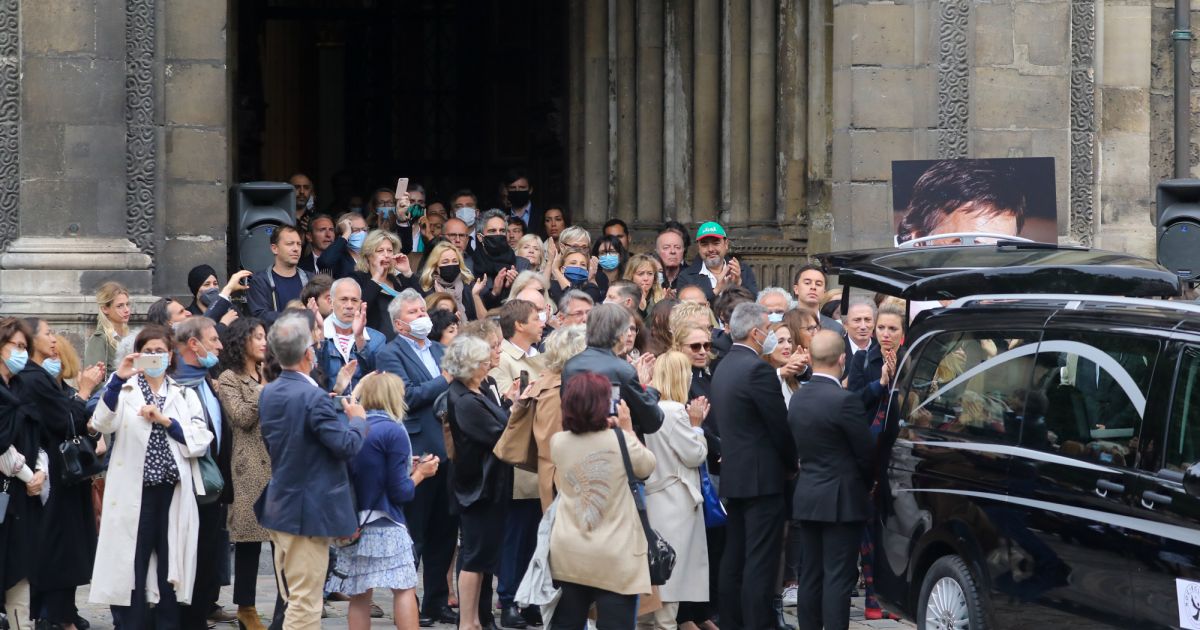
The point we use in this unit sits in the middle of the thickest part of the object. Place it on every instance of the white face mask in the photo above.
(466, 215)
(421, 327)
(542, 316)
(770, 343)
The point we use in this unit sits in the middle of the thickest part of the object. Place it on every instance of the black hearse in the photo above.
(1037, 467)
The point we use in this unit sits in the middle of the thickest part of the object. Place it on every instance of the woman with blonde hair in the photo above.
(385, 478)
(442, 300)
(531, 248)
(673, 499)
(112, 323)
(446, 272)
(790, 357)
(644, 271)
(383, 271)
(529, 278)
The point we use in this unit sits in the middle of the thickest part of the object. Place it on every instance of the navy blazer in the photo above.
(420, 390)
(835, 449)
(866, 368)
(310, 446)
(337, 259)
(691, 276)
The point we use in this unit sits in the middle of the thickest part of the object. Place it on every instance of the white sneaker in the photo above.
(789, 596)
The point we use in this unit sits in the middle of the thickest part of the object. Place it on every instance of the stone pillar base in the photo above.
(56, 279)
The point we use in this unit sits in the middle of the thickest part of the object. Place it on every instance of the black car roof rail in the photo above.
(1074, 302)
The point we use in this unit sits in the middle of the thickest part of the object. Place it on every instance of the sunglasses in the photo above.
(703, 345)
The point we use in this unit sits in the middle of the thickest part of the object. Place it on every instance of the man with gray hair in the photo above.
(758, 455)
(609, 328)
(777, 302)
(574, 307)
(417, 360)
(305, 504)
(494, 258)
(347, 336)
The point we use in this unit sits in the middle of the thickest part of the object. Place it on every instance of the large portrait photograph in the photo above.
(950, 198)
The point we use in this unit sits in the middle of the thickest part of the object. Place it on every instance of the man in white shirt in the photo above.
(860, 325)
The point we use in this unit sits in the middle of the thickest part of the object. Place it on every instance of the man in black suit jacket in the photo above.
(832, 488)
(758, 456)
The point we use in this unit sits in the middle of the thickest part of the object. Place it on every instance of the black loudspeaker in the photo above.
(260, 208)
(1179, 226)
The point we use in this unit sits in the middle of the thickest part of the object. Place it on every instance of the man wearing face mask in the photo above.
(408, 219)
(342, 256)
(518, 192)
(347, 336)
(715, 270)
(198, 346)
(758, 456)
(466, 209)
(495, 259)
(381, 210)
(417, 360)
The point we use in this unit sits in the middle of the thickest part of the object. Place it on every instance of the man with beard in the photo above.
(715, 269)
(306, 200)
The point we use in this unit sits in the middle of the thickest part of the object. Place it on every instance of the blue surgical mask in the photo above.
(16, 360)
(207, 361)
(385, 211)
(775, 318)
(53, 367)
(158, 371)
(356, 241)
(608, 262)
(575, 274)
(466, 215)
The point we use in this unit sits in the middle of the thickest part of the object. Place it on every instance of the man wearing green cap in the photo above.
(715, 270)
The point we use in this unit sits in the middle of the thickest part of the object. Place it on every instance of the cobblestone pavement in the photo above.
(101, 618)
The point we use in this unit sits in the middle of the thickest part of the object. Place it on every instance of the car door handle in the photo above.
(1104, 486)
(1150, 498)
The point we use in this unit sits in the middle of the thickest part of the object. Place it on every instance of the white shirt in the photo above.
(712, 279)
(342, 342)
(854, 347)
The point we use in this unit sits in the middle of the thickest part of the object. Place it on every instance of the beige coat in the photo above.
(112, 574)
(597, 539)
(675, 505)
(250, 464)
(512, 361)
(547, 421)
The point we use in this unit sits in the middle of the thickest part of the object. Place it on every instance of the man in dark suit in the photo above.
(518, 190)
(758, 456)
(830, 500)
(306, 502)
(417, 360)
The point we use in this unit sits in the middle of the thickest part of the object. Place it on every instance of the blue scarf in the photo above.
(196, 377)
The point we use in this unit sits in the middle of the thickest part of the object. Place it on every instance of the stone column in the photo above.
(706, 111)
(735, 117)
(677, 110)
(625, 129)
(761, 111)
(595, 112)
(649, 111)
(792, 111)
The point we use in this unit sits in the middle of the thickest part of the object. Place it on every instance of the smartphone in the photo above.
(401, 186)
(245, 281)
(615, 401)
(150, 362)
(524, 380)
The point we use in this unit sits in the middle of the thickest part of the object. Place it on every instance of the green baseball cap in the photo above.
(710, 229)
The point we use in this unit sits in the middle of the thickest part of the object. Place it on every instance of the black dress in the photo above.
(18, 532)
(66, 541)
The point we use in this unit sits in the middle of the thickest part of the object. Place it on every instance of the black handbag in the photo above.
(658, 551)
(79, 459)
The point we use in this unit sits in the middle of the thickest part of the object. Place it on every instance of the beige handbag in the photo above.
(516, 445)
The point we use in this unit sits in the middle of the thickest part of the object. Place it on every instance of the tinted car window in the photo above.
(1090, 395)
(969, 383)
(1183, 440)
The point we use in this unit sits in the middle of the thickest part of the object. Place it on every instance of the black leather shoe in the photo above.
(511, 617)
(444, 614)
(780, 622)
(426, 622)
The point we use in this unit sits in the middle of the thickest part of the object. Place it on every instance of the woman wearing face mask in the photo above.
(645, 272)
(383, 272)
(448, 274)
(575, 271)
(341, 258)
(112, 323)
(790, 358)
(386, 204)
(611, 256)
(67, 539)
(240, 383)
(162, 436)
(25, 471)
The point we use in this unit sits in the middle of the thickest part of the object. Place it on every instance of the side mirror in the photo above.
(1191, 480)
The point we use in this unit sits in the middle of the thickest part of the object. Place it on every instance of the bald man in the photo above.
(832, 488)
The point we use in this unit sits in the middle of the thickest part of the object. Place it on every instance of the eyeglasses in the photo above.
(811, 329)
(702, 345)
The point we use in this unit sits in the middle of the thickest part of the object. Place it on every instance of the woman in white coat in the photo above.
(673, 500)
(150, 521)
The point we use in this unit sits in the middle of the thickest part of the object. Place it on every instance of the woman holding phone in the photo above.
(385, 476)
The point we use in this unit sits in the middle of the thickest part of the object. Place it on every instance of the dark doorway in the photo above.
(356, 93)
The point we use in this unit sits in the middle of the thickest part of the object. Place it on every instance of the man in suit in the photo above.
(809, 287)
(417, 360)
(715, 269)
(306, 502)
(518, 191)
(758, 457)
(318, 239)
(830, 500)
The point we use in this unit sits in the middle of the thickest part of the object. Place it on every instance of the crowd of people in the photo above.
(354, 407)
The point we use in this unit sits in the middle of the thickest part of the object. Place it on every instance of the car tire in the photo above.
(951, 598)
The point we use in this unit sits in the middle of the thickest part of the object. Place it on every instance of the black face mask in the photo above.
(449, 273)
(518, 198)
(495, 244)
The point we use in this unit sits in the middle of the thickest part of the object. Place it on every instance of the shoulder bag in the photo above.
(516, 445)
(210, 473)
(78, 457)
(659, 552)
(714, 510)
